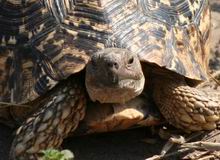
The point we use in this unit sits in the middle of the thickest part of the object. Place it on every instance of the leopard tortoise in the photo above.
(56, 55)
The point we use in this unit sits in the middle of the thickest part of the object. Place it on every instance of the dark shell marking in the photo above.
(42, 42)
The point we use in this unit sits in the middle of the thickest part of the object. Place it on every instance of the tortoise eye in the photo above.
(131, 60)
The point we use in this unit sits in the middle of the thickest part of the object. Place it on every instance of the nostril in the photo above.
(113, 65)
(131, 60)
(110, 65)
(116, 65)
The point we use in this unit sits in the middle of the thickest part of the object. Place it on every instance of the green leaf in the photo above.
(53, 154)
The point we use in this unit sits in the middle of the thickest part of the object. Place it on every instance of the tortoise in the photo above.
(57, 55)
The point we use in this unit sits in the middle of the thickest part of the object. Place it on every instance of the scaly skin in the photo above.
(185, 107)
(51, 124)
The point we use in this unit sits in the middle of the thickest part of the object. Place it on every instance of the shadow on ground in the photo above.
(125, 145)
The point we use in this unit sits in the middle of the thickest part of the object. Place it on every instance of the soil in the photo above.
(125, 145)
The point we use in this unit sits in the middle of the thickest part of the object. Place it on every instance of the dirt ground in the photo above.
(125, 145)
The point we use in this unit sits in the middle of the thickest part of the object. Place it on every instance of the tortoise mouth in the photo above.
(127, 83)
(124, 91)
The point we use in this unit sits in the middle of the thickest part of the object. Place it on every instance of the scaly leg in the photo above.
(185, 107)
(51, 124)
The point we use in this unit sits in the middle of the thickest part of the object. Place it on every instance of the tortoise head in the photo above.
(114, 75)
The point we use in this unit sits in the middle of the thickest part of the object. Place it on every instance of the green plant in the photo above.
(53, 154)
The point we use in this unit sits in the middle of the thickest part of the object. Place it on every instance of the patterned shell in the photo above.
(45, 41)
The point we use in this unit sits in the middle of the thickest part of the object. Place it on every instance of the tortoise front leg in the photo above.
(185, 107)
(51, 124)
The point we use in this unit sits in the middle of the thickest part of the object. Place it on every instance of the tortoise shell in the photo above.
(45, 41)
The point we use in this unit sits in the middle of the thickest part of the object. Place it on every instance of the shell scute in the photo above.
(43, 42)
